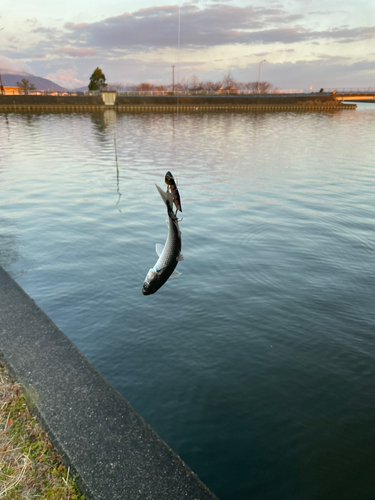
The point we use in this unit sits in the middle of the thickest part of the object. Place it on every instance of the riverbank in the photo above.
(113, 453)
(29, 465)
(163, 104)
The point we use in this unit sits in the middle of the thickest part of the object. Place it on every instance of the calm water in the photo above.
(257, 365)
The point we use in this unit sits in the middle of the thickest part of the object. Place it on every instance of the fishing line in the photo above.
(178, 56)
(117, 169)
(178, 77)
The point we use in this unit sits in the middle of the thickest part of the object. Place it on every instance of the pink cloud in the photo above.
(81, 52)
(72, 26)
(65, 78)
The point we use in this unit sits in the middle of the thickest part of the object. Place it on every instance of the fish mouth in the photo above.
(147, 290)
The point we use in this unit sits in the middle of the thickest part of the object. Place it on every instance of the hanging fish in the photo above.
(172, 188)
(169, 255)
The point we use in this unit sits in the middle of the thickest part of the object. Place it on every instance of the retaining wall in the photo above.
(115, 453)
(248, 103)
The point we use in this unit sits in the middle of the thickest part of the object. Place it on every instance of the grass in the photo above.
(30, 467)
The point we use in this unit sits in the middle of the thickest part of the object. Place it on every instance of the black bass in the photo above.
(169, 255)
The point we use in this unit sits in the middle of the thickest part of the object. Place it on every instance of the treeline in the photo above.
(193, 83)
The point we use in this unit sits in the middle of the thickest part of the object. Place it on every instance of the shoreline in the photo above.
(173, 104)
(109, 448)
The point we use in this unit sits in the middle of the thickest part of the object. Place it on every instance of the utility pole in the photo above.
(1, 86)
(259, 73)
(173, 77)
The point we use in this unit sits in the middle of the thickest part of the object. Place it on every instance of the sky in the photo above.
(309, 43)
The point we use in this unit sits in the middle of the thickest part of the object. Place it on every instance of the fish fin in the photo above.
(180, 257)
(167, 197)
(159, 249)
(175, 274)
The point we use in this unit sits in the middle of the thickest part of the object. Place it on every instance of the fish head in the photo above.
(151, 283)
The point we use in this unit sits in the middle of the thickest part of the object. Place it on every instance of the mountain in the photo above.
(10, 79)
(80, 89)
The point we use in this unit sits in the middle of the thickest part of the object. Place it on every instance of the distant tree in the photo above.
(115, 86)
(265, 87)
(144, 87)
(97, 80)
(24, 84)
(228, 80)
(178, 86)
(252, 87)
(182, 85)
(194, 83)
(213, 86)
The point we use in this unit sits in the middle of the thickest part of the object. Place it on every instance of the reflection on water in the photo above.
(105, 121)
(8, 245)
(257, 364)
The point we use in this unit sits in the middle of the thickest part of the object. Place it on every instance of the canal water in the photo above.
(257, 364)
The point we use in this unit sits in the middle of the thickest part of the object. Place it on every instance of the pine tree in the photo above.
(97, 80)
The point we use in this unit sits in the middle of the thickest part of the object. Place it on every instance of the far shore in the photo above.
(173, 103)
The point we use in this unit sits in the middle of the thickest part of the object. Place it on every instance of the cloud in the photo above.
(41, 29)
(213, 25)
(157, 27)
(14, 66)
(81, 52)
(66, 78)
(215, 36)
(327, 73)
(32, 21)
(72, 26)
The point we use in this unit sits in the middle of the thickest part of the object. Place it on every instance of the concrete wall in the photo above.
(217, 100)
(99, 435)
(37, 100)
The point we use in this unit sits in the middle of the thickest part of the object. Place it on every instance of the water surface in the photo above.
(256, 365)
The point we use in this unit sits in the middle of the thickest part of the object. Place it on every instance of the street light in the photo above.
(259, 72)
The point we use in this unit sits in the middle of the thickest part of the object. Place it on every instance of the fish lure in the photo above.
(172, 188)
(169, 255)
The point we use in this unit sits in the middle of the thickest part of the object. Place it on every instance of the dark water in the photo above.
(257, 365)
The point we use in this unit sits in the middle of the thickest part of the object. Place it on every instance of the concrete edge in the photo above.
(113, 452)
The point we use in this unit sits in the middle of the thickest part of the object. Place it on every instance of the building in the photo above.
(10, 90)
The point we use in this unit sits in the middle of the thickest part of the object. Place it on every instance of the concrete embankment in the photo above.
(114, 452)
(170, 103)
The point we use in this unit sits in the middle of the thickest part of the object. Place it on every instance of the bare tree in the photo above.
(265, 87)
(194, 82)
(179, 86)
(252, 87)
(228, 80)
(24, 84)
(183, 84)
(144, 87)
(209, 85)
(115, 86)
